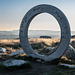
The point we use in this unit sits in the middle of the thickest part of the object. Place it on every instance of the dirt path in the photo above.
(37, 69)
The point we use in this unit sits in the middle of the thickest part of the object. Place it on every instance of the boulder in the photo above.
(73, 36)
(2, 50)
(45, 37)
(67, 65)
(70, 52)
(45, 51)
(17, 53)
(9, 63)
(73, 44)
(49, 48)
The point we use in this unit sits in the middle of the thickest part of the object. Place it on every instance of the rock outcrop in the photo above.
(9, 63)
(2, 50)
(67, 65)
(70, 52)
(17, 53)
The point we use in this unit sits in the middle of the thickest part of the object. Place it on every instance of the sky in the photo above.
(12, 12)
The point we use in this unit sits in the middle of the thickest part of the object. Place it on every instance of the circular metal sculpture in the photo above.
(65, 31)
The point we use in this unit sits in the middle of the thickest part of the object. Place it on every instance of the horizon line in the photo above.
(33, 30)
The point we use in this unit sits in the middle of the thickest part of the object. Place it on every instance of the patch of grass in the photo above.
(1, 64)
(38, 45)
(66, 60)
(13, 46)
(53, 62)
(61, 70)
(27, 58)
(31, 73)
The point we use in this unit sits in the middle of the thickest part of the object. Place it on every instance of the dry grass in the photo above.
(14, 44)
(37, 40)
(46, 41)
(9, 41)
(73, 39)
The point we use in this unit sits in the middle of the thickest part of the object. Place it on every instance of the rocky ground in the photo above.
(38, 67)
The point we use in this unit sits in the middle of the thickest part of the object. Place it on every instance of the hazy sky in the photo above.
(12, 12)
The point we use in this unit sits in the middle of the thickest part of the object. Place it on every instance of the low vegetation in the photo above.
(13, 45)
(61, 70)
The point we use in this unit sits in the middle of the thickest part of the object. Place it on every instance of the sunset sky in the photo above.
(12, 12)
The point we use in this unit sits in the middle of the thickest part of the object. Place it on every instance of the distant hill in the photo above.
(31, 33)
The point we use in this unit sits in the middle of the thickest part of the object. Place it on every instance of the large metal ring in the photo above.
(64, 26)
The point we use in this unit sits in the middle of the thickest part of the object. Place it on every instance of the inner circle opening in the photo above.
(44, 34)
